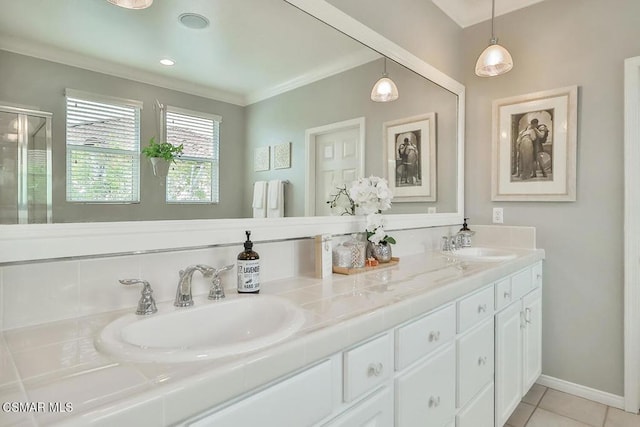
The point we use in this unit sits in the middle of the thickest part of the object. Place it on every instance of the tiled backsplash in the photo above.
(42, 292)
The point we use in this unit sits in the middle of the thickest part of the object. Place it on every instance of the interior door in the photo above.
(337, 164)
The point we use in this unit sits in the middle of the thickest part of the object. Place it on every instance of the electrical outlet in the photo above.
(498, 216)
(431, 209)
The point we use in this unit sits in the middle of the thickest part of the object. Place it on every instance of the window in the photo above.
(194, 176)
(103, 149)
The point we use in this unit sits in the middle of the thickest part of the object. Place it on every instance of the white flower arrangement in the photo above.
(370, 195)
(375, 230)
(366, 196)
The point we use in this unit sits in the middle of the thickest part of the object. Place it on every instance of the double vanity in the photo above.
(437, 340)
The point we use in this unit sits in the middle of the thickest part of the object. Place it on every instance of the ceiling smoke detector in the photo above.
(193, 21)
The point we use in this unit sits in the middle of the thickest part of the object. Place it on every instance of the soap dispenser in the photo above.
(463, 237)
(248, 268)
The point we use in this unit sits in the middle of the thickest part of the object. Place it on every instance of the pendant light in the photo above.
(495, 59)
(132, 4)
(385, 89)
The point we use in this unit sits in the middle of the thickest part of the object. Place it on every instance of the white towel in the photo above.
(259, 204)
(275, 199)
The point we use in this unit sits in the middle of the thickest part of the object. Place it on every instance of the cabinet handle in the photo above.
(434, 401)
(482, 360)
(527, 315)
(434, 336)
(375, 369)
(507, 295)
(482, 308)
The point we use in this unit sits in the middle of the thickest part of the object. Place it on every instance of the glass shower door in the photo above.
(25, 166)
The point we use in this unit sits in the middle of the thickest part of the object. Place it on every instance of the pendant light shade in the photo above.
(495, 59)
(385, 90)
(132, 4)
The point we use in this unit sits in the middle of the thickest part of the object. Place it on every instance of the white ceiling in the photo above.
(252, 49)
(470, 12)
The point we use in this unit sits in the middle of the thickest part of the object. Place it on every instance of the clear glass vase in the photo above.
(358, 250)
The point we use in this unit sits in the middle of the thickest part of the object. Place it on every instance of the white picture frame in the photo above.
(534, 146)
(261, 159)
(410, 158)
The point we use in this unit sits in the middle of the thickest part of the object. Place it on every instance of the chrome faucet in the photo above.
(217, 290)
(184, 298)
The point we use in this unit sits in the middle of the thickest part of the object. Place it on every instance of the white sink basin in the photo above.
(483, 254)
(208, 330)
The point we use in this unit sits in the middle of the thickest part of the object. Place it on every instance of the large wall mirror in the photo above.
(276, 73)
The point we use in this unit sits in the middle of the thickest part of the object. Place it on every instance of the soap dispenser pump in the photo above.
(248, 268)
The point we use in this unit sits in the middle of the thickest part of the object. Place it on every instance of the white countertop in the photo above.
(58, 362)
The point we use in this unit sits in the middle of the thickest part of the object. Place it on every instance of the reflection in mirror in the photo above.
(271, 72)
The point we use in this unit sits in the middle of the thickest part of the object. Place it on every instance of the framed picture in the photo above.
(411, 158)
(282, 156)
(534, 147)
(261, 159)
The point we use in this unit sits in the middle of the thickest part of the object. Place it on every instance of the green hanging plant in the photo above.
(163, 150)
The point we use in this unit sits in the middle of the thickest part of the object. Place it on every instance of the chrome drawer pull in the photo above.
(482, 308)
(375, 369)
(507, 295)
(482, 360)
(434, 401)
(434, 336)
(527, 315)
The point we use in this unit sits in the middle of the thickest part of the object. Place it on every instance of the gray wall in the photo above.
(555, 43)
(419, 26)
(285, 118)
(40, 84)
(559, 43)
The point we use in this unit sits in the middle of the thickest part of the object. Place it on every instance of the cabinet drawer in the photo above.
(479, 412)
(504, 295)
(425, 394)
(521, 283)
(536, 271)
(474, 308)
(374, 411)
(421, 337)
(367, 366)
(475, 361)
(311, 390)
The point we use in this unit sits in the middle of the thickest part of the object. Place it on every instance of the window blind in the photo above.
(103, 146)
(194, 176)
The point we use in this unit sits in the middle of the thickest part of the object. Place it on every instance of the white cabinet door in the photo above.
(508, 379)
(475, 354)
(479, 412)
(301, 400)
(532, 337)
(374, 411)
(425, 394)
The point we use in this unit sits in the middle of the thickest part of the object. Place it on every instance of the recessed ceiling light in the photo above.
(167, 62)
(132, 4)
(193, 21)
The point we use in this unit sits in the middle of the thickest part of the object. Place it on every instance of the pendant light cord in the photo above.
(493, 14)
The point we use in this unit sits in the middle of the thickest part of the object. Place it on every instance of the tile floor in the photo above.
(545, 407)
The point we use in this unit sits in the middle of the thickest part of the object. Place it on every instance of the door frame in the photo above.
(310, 136)
(632, 234)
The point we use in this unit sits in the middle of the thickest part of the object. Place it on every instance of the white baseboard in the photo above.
(603, 397)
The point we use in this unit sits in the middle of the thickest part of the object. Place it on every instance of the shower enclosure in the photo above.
(25, 166)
